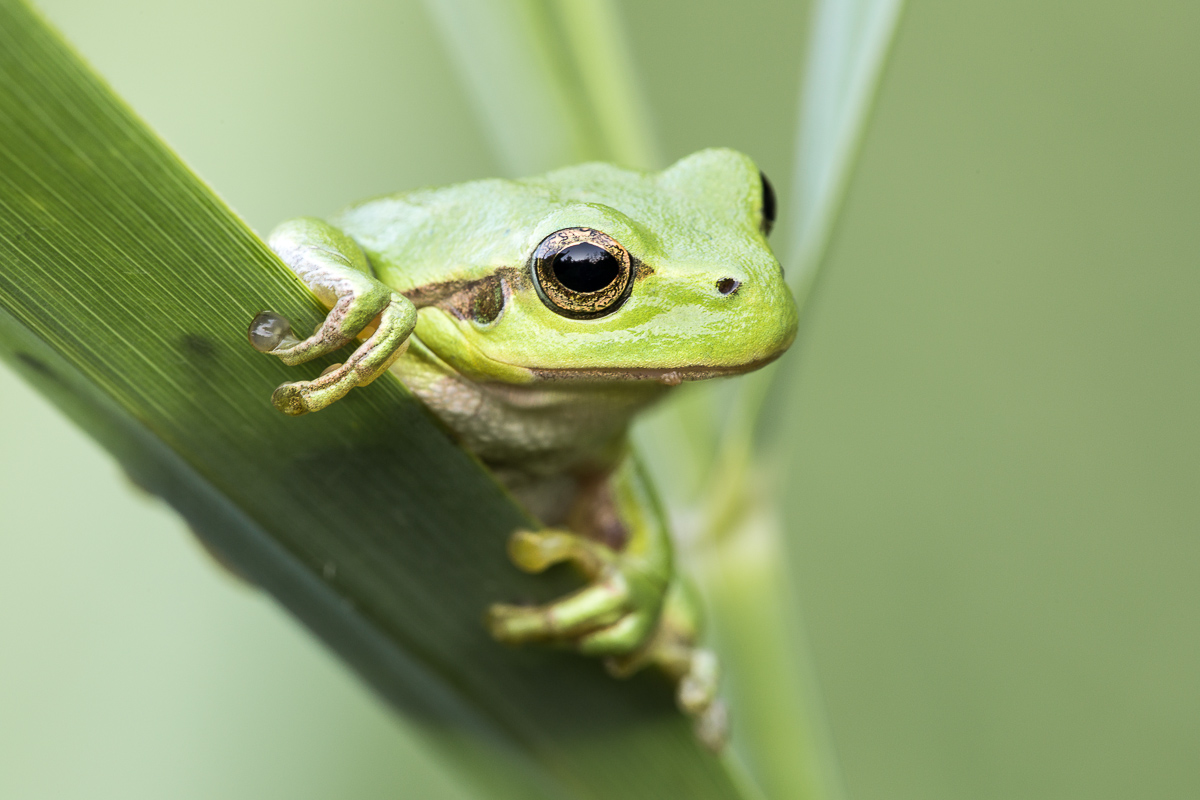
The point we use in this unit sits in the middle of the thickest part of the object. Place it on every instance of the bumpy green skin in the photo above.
(441, 280)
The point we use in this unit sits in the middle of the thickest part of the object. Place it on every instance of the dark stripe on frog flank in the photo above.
(482, 299)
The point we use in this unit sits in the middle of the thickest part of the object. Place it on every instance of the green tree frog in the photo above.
(534, 318)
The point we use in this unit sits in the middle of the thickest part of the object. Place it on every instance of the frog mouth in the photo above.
(670, 376)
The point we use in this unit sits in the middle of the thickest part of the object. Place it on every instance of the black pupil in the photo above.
(585, 267)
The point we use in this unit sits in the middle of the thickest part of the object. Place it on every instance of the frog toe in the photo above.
(698, 688)
(270, 331)
(515, 624)
(535, 551)
(623, 637)
(594, 606)
(289, 398)
(711, 726)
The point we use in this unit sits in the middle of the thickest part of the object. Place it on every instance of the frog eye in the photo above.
(768, 205)
(581, 273)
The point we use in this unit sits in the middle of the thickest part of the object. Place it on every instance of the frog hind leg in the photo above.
(634, 612)
(334, 267)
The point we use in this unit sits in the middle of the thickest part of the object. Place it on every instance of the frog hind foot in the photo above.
(614, 614)
(336, 270)
(617, 617)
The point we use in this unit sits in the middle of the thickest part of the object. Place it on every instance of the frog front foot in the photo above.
(627, 614)
(337, 272)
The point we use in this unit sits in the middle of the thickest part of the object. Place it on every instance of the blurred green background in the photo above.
(992, 407)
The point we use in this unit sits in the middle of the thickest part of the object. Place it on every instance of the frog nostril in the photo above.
(728, 285)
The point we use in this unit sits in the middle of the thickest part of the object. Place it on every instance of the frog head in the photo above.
(597, 273)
